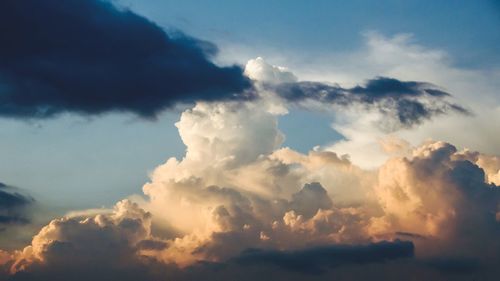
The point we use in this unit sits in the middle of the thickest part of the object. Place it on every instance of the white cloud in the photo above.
(260, 70)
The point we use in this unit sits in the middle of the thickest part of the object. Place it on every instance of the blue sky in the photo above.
(467, 30)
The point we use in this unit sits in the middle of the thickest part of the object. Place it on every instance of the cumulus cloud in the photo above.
(402, 57)
(90, 57)
(101, 247)
(237, 189)
(438, 193)
(258, 69)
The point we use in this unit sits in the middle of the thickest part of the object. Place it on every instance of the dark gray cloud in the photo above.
(315, 260)
(147, 270)
(410, 102)
(13, 206)
(454, 265)
(89, 57)
(281, 264)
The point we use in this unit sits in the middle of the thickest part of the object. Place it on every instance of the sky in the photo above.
(235, 139)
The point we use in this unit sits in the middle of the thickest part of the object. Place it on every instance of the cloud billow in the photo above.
(90, 57)
(316, 214)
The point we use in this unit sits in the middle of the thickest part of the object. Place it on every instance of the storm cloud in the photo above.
(410, 102)
(313, 260)
(399, 104)
(90, 57)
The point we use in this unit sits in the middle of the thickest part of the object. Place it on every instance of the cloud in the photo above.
(402, 57)
(221, 223)
(13, 206)
(279, 198)
(440, 182)
(407, 102)
(258, 69)
(238, 189)
(101, 241)
(281, 201)
(90, 57)
(367, 114)
(454, 265)
(313, 260)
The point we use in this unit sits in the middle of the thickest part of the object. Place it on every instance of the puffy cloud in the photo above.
(258, 69)
(238, 189)
(431, 195)
(93, 239)
(438, 194)
(228, 134)
(489, 163)
(402, 58)
(108, 243)
(401, 104)
(90, 57)
(326, 199)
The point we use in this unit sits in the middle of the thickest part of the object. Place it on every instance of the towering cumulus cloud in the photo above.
(240, 206)
(89, 57)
